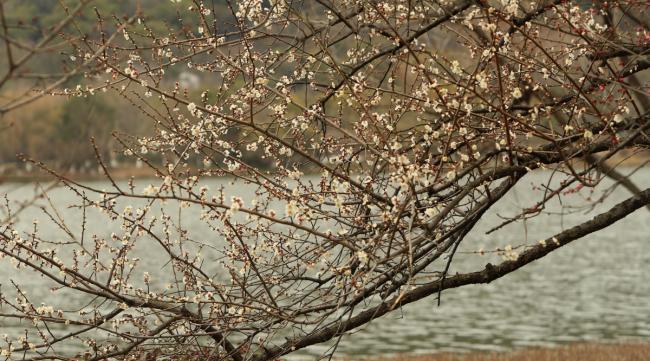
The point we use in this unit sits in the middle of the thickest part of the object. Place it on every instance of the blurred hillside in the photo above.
(57, 129)
(30, 20)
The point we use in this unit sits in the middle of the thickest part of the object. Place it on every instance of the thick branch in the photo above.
(487, 275)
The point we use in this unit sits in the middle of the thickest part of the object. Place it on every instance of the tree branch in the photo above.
(487, 275)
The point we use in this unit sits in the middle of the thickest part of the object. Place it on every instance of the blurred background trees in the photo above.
(57, 130)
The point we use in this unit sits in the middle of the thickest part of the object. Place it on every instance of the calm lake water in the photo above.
(596, 289)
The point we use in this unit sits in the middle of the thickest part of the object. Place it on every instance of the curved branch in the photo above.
(487, 275)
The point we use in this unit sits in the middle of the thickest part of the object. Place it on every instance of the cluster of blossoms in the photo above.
(363, 141)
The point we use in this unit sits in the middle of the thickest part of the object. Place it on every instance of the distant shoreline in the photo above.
(14, 174)
(118, 173)
(628, 351)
